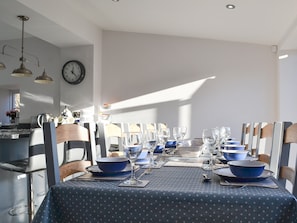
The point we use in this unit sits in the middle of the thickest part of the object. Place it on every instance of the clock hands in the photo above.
(72, 71)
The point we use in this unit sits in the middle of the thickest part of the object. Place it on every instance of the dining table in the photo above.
(175, 193)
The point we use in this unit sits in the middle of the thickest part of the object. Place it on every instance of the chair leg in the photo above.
(30, 198)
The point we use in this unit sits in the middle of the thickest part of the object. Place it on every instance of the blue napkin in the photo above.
(170, 144)
(159, 149)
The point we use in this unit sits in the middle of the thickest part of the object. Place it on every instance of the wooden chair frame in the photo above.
(64, 133)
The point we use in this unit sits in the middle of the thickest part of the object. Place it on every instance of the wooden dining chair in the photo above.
(254, 133)
(33, 163)
(264, 142)
(284, 140)
(246, 134)
(62, 134)
(108, 137)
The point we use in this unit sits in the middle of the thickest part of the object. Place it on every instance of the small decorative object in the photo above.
(12, 114)
(73, 72)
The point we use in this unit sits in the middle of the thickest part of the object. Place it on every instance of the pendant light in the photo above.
(43, 79)
(22, 71)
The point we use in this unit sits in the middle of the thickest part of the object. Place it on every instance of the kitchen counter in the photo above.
(14, 133)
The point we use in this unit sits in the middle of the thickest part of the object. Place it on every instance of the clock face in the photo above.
(73, 72)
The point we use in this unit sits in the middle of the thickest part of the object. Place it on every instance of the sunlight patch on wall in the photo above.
(181, 92)
(184, 118)
(38, 98)
(149, 115)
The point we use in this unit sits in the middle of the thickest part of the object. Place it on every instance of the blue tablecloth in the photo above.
(174, 194)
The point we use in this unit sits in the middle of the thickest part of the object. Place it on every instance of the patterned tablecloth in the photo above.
(174, 194)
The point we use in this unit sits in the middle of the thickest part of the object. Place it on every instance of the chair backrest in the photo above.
(264, 141)
(108, 136)
(64, 133)
(284, 138)
(36, 151)
(246, 134)
(255, 127)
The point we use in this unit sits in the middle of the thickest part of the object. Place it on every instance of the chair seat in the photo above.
(20, 166)
(16, 166)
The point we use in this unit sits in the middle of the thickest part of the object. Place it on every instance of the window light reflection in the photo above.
(181, 92)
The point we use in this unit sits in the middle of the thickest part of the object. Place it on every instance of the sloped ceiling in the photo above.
(67, 22)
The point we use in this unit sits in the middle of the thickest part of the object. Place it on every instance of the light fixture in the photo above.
(230, 6)
(43, 79)
(22, 71)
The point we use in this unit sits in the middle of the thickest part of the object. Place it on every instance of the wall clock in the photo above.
(73, 72)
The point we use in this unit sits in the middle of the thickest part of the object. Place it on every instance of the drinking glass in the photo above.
(163, 136)
(183, 131)
(209, 141)
(132, 144)
(177, 133)
(151, 142)
(225, 133)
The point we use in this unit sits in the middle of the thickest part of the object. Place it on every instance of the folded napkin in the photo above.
(143, 159)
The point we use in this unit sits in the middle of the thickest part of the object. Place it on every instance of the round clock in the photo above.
(73, 72)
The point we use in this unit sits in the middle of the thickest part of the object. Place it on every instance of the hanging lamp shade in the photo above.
(43, 79)
(21, 72)
(2, 66)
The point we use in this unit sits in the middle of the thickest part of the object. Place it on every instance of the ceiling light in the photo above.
(43, 79)
(230, 6)
(22, 71)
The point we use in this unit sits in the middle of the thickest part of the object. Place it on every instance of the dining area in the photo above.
(163, 183)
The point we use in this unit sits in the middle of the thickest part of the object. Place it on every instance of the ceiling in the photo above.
(269, 22)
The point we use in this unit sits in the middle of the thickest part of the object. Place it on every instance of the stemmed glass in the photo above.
(177, 133)
(163, 136)
(209, 141)
(151, 142)
(132, 144)
(225, 134)
(183, 131)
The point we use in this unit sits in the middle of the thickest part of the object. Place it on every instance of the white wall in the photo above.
(135, 64)
(287, 87)
(5, 105)
(35, 98)
(50, 98)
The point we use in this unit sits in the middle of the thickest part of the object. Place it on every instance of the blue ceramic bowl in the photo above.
(112, 164)
(234, 154)
(232, 142)
(234, 147)
(246, 168)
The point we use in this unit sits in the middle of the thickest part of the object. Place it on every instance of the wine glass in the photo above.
(209, 141)
(225, 134)
(163, 136)
(183, 131)
(151, 142)
(132, 144)
(177, 134)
